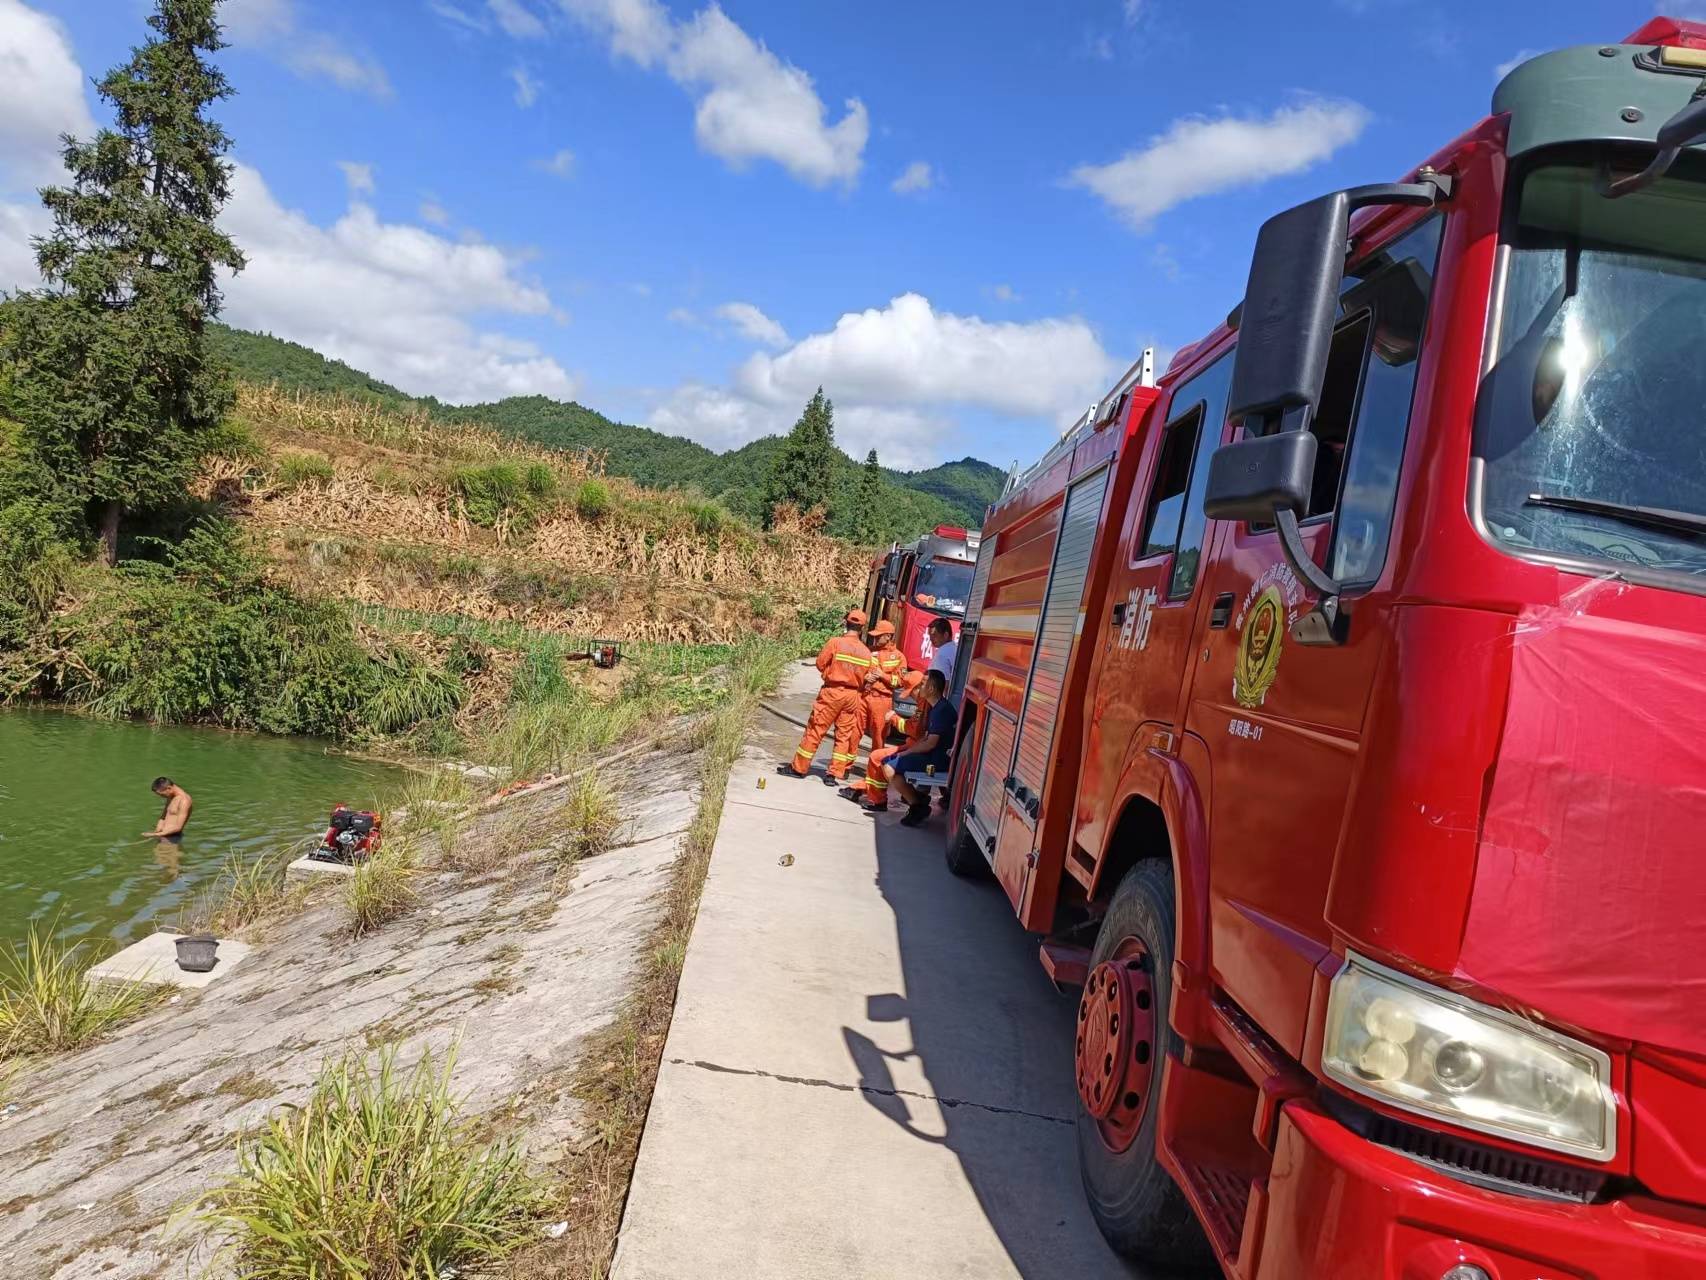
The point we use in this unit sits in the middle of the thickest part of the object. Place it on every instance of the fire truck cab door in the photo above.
(1148, 636)
(1282, 720)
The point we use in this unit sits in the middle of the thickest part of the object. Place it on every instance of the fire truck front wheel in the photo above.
(1122, 1040)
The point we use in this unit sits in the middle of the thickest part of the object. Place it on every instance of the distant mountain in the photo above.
(912, 501)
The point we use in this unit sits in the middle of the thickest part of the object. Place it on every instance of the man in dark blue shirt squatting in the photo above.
(931, 753)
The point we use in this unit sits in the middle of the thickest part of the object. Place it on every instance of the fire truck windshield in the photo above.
(943, 585)
(1591, 431)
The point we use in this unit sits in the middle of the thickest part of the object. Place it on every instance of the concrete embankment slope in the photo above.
(517, 964)
(867, 1074)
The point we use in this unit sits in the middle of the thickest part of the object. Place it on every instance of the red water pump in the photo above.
(354, 836)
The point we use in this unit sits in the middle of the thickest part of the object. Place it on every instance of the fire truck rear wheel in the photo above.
(964, 857)
(1139, 1208)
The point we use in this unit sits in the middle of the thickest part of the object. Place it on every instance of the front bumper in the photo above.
(1339, 1207)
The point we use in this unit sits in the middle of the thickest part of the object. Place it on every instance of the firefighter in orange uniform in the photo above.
(888, 674)
(843, 662)
(876, 788)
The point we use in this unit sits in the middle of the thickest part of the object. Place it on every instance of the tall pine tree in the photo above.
(804, 470)
(110, 376)
(868, 520)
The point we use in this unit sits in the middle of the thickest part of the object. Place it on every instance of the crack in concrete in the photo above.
(865, 1088)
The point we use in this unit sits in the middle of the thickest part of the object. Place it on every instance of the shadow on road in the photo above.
(993, 1039)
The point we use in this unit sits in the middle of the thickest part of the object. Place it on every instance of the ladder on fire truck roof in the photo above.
(1141, 374)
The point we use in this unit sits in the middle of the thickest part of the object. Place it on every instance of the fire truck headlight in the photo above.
(1427, 1050)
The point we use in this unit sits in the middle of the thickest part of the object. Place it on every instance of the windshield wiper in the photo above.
(1649, 517)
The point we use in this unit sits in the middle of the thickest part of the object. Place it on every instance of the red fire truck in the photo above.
(923, 580)
(1333, 709)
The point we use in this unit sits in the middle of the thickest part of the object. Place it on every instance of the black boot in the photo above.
(917, 814)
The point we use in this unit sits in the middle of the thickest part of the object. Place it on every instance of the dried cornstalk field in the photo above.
(376, 520)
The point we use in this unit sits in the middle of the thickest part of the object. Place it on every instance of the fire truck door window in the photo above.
(1394, 286)
(1172, 477)
(1174, 520)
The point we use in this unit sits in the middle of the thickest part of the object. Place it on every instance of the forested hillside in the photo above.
(909, 502)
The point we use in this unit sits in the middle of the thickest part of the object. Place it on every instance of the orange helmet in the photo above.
(883, 628)
(856, 617)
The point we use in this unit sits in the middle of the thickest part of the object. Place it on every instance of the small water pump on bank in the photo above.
(353, 836)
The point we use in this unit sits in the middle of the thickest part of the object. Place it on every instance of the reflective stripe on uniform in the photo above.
(881, 784)
(803, 754)
(836, 755)
(847, 657)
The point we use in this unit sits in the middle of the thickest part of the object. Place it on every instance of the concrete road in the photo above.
(867, 1074)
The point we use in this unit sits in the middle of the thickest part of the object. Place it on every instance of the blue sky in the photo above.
(963, 219)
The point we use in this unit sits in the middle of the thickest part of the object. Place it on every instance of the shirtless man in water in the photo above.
(168, 833)
(176, 815)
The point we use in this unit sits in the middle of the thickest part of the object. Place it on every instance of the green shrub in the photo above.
(48, 1004)
(592, 499)
(760, 605)
(205, 637)
(35, 565)
(409, 692)
(303, 470)
(377, 1174)
(233, 438)
(381, 890)
(539, 480)
(709, 519)
(540, 677)
(490, 492)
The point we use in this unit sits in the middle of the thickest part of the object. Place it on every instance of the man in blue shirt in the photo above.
(931, 753)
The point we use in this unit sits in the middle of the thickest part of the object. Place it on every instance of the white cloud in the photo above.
(752, 323)
(394, 299)
(1133, 10)
(252, 21)
(455, 15)
(1162, 259)
(561, 164)
(41, 96)
(1002, 292)
(275, 27)
(526, 87)
(897, 374)
(1198, 156)
(751, 105)
(907, 353)
(1522, 56)
(685, 318)
(516, 19)
(358, 177)
(917, 176)
(390, 298)
(432, 211)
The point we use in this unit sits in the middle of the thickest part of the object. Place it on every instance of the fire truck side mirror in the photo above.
(1253, 479)
(1285, 329)
(1285, 324)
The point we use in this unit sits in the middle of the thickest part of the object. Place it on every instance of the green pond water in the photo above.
(75, 800)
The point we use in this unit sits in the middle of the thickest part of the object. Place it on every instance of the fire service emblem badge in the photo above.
(1259, 644)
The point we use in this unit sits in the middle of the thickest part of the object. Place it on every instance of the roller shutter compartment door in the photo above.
(1059, 627)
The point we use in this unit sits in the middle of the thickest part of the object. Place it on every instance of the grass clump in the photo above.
(497, 490)
(381, 890)
(377, 1175)
(591, 819)
(303, 471)
(592, 500)
(48, 1004)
